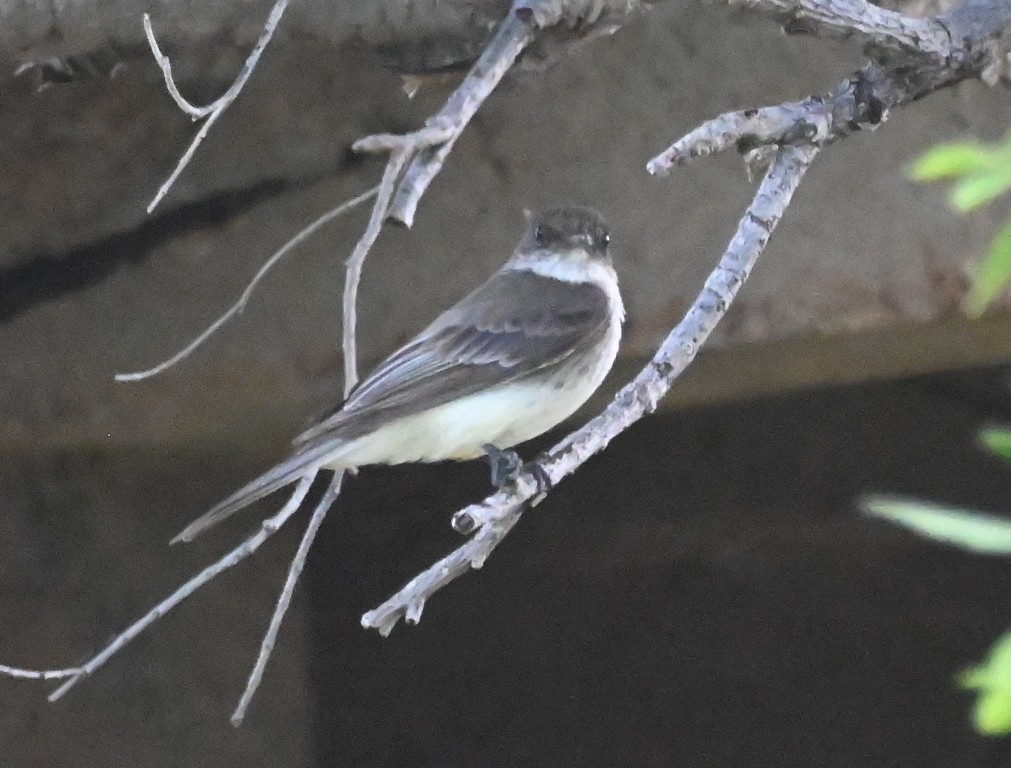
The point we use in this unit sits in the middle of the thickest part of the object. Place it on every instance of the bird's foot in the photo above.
(544, 483)
(507, 465)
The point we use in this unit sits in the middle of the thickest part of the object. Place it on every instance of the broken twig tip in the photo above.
(463, 522)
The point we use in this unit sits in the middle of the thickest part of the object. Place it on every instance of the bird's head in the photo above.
(571, 234)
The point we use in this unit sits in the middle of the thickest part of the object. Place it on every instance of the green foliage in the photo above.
(993, 274)
(991, 714)
(963, 528)
(950, 161)
(981, 173)
(976, 532)
(997, 440)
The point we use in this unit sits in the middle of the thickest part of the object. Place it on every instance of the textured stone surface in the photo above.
(90, 285)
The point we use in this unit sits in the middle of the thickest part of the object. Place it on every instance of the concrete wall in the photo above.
(91, 285)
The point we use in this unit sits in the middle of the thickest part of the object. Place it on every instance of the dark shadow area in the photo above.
(706, 593)
(40, 277)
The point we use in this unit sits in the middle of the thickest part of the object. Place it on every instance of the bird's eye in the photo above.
(606, 239)
(539, 234)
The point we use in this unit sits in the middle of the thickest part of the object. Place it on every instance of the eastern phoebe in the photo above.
(505, 364)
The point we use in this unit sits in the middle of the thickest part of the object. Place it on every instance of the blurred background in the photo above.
(706, 592)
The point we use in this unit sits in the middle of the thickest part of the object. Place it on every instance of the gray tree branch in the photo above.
(844, 19)
(416, 158)
(495, 516)
(793, 134)
(977, 44)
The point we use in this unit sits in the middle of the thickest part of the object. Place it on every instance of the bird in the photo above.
(508, 362)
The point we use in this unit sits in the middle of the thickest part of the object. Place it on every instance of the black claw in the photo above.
(544, 483)
(505, 465)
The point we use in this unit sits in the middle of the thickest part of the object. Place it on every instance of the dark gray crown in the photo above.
(566, 228)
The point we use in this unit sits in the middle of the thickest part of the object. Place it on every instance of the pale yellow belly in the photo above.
(457, 430)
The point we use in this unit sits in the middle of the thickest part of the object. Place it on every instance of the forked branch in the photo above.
(792, 133)
(495, 516)
(416, 158)
(268, 528)
(216, 108)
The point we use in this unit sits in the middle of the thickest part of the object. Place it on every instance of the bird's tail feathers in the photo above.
(288, 471)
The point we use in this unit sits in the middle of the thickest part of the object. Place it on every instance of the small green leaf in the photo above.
(974, 531)
(949, 161)
(992, 275)
(991, 714)
(979, 189)
(997, 440)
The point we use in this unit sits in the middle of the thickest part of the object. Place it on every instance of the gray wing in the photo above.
(513, 325)
(510, 327)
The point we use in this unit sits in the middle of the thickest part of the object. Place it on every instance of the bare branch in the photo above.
(426, 150)
(865, 99)
(794, 122)
(166, 69)
(513, 35)
(440, 131)
(267, 529)
(294, 571)
(356, 262)
(841, 19)
(240, 305)
(496, 515)
(216, 108)
(795, 132)
(38, 674)
(409, 601)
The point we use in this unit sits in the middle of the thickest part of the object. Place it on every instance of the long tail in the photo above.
(288, 471)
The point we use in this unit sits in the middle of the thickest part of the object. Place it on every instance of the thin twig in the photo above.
(240, 305)
(38, 674)
(513, 35)
(267, 529)
(184, 160)
(496, 515)
(517, 30)
(353, 272)
(166, 69)
(409, 600)
(423, 152)
(216, 108)
(284, 600)
(439, 133)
